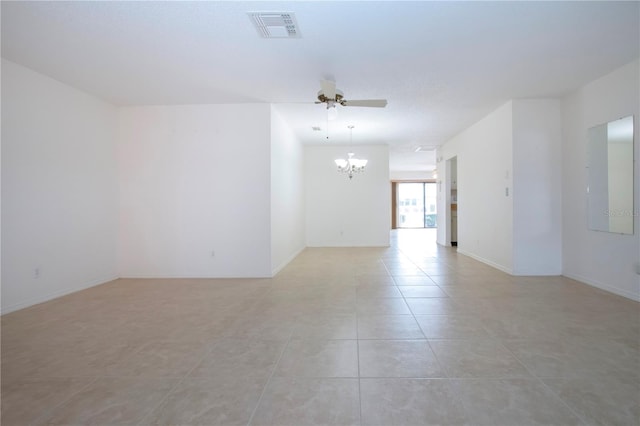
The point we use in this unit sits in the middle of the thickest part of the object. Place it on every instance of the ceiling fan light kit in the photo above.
(331, 96)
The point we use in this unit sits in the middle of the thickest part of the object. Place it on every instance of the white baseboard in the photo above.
(347, 245)
(536, 273)
(156, 276)
(486, 261)
(50, 296)
(605, 287)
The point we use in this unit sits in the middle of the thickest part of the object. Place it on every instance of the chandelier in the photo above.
(351, 165)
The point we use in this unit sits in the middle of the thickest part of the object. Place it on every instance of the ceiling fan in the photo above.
(331, 96)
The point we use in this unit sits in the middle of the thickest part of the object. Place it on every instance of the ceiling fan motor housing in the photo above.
(338, 98)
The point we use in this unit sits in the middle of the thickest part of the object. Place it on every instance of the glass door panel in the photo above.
(430, 202)
(410, 205)
(416, 205)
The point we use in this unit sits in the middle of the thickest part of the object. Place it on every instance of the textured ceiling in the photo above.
(441, 65)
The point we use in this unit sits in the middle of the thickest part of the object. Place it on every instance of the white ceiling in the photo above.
(441, 65)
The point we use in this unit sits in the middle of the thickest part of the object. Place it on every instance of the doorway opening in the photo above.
(416, 205)
(452, 166)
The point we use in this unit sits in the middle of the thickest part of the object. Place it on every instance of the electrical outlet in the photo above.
(213, 253)
(36, 272)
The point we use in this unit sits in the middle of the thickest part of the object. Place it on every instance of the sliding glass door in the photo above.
(416, 205)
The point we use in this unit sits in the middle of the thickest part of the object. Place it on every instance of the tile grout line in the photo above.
(435, 355)
(266, 385)
(178, 383)
(446, 377)
(52, 409)
(544, 385)
(358, 357)
(455, 391)
(578, 415)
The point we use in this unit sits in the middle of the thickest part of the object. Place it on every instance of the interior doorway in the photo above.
(416, 205)
(452, 166)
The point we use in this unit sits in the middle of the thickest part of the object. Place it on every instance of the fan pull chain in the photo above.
(327, 124)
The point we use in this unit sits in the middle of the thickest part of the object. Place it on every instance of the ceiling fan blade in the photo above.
(328, 88)
(375, 103)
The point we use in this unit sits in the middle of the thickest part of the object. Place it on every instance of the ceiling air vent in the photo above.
(275, 24)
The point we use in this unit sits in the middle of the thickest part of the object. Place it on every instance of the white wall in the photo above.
(59, 192)
(343, 212)
(508, 179)
(287, 194)
(195, 180)
(537, 160)
(601, 259)
(484, 170)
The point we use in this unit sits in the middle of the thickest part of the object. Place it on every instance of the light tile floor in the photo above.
(413, 334)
